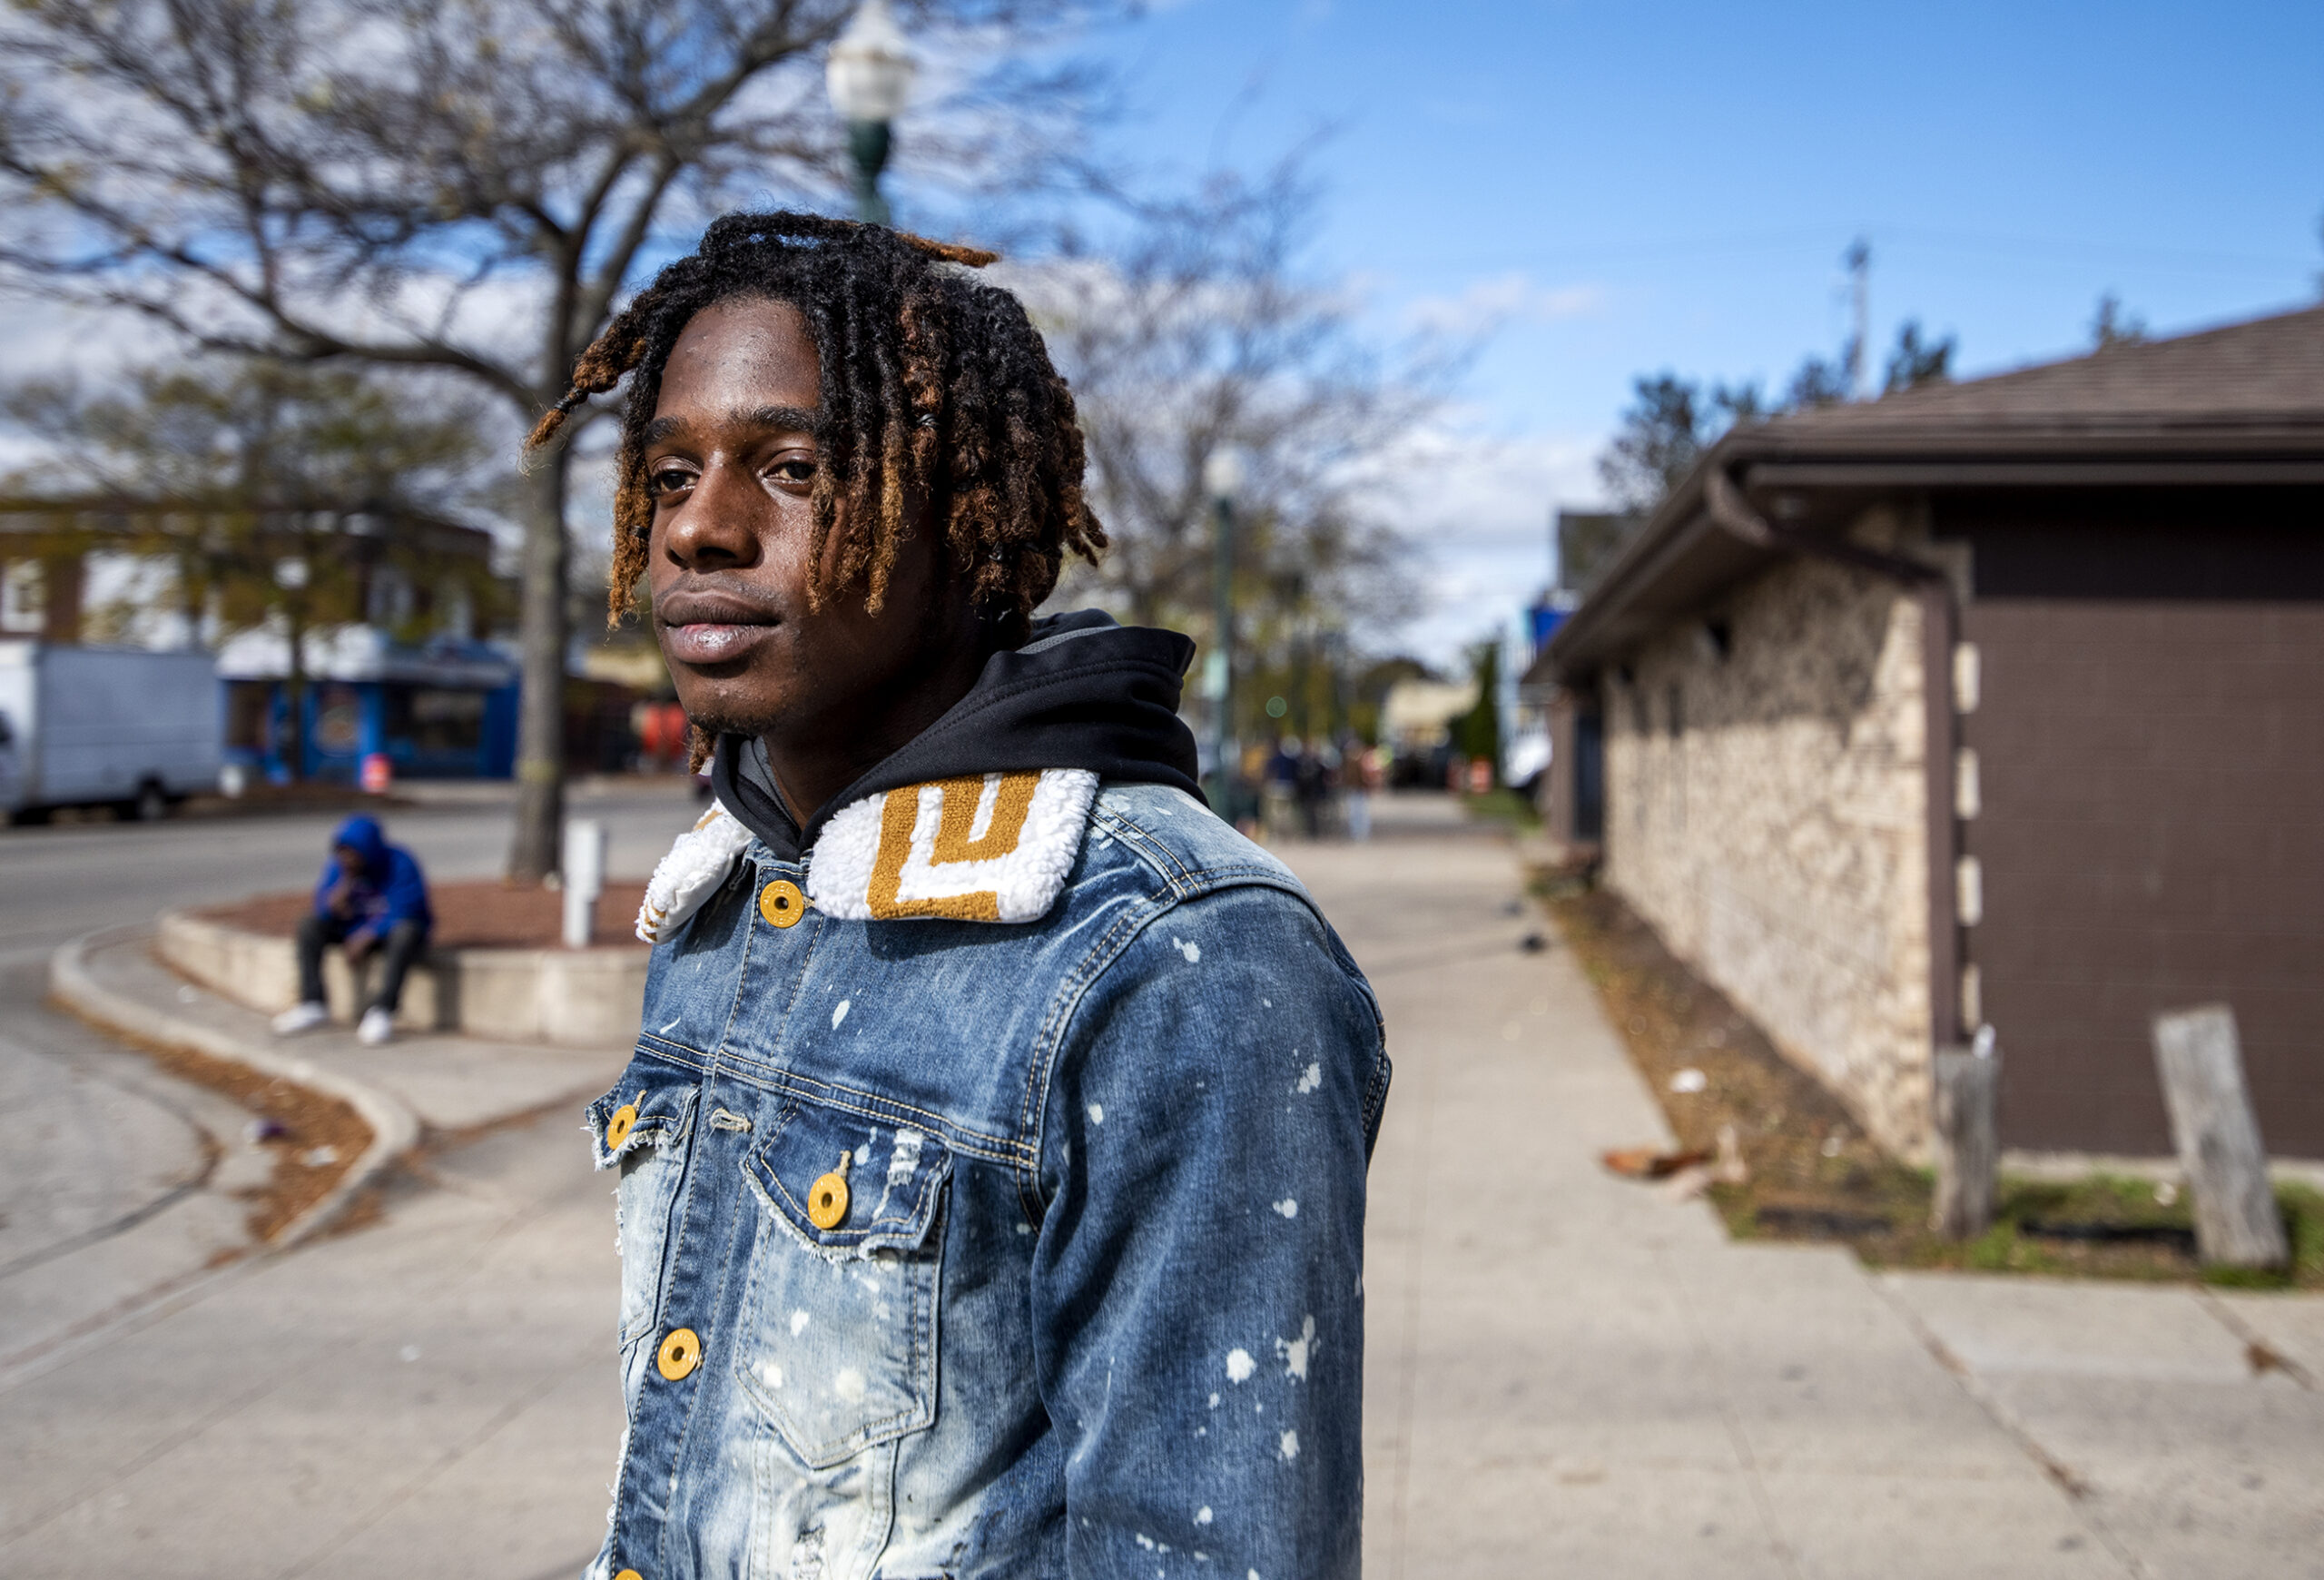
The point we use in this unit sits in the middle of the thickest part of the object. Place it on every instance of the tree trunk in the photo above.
(2201, 1059)
(294, 754)
(1968, 1149)
(532, 853)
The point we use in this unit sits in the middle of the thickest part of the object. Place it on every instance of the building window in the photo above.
(455, 612)
(250, 716)
(24, 596)
(391, 601)
(339, 720)
(438, 723)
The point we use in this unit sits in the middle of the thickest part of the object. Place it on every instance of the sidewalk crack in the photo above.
(2079, 1493)
(1737, 1439)
(2257, 1353)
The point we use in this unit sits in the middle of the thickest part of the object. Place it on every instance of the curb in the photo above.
(395, 1128)
(563, 998)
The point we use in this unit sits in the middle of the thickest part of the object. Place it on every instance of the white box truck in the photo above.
(84, 726)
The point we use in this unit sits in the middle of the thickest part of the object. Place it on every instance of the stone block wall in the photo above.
(1765, 812)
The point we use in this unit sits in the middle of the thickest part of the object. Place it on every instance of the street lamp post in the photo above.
(870, 75)
(1222, 478)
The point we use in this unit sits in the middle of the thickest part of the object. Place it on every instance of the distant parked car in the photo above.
(83, 727)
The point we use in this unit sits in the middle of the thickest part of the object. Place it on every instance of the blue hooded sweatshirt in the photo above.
(390, 889)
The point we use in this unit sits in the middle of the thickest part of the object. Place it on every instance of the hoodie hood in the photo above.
(364, 837)
(392, 888)
(1083, 693)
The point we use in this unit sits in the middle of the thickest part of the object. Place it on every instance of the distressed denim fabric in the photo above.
(1096, 1306)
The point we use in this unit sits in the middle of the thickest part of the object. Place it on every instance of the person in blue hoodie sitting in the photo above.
(371, 896)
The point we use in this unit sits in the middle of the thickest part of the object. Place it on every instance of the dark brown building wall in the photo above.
(2151, 834)
(1554, 799)
(1573, 797)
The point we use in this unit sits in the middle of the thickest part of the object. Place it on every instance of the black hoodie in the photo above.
(1081, 693)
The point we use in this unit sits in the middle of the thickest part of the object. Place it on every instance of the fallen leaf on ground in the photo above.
(1648, 1162)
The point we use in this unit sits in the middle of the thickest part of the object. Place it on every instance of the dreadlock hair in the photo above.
(934, 384)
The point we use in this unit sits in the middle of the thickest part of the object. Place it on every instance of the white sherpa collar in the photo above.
(992, 847)
(697, 864)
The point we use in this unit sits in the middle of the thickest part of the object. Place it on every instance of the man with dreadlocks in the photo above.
(991, 1162)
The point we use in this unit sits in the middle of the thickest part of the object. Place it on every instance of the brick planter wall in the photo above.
(578, 998)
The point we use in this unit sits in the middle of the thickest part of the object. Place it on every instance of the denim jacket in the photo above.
(992, 1189)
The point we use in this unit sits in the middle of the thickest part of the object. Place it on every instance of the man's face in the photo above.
(350, 861)
(731, 459)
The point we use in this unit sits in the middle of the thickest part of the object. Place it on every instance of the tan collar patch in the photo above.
(992, 847)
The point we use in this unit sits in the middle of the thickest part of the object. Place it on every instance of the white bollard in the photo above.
(584, 877)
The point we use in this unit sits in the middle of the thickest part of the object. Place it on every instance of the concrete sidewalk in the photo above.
(434, 1393)
(1567, 1373)
(1570, 1374)
(416, 1089)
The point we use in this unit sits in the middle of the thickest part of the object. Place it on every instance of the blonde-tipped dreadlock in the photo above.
(934, 385)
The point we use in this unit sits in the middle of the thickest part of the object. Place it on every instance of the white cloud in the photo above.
(1484, 305)
(1478, 503)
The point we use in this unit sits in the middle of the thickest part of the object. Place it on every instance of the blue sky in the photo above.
(1639, 187)
(1630, 187)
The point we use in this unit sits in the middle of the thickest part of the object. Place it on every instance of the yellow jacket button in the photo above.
(629, 1575)
(827, 1201)
(618, 1130)
(782, 904)
(680, 1353)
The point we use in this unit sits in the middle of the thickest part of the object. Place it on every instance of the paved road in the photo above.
(130, 1190)
(57, 881)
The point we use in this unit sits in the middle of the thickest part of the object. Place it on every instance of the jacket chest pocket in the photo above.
(837, 1324)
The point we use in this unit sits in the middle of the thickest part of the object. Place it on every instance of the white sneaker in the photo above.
(377, 1026)
(300, 1017)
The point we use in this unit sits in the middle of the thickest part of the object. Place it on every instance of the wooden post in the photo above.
(1968, 1148)
(2237, 1224)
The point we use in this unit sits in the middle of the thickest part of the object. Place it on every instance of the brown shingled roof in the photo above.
(2233, 406)
(2269, 367)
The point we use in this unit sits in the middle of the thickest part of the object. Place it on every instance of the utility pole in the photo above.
(1858, 259)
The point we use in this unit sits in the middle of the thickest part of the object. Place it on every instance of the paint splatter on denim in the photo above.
(1094, 1304)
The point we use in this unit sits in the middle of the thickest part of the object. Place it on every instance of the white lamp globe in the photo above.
(869, 71)
(1222, 473)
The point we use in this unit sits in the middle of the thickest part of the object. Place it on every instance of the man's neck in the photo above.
(810, 770)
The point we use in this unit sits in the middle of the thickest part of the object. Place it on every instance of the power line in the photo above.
(1910, 237)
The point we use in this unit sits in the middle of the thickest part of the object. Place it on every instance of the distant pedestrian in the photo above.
(1358, 772)
(1311, 785)
(371, 896)
(1280, 799)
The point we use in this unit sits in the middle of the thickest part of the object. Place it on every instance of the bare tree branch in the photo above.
(1194, 332)
(467, 186)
